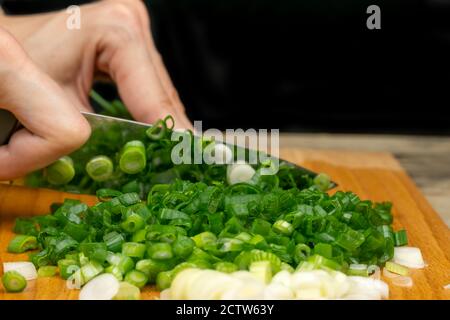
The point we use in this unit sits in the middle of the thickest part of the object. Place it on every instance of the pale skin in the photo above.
(47, 70)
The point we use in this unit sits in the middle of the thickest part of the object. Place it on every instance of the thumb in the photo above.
(52, 124)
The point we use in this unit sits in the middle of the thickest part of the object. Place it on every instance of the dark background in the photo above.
(303, 65)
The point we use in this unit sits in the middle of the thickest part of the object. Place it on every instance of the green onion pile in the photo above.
(155, 218)
(192, 224)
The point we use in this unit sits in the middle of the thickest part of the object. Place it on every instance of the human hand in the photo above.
(114, 38)
(53, 125)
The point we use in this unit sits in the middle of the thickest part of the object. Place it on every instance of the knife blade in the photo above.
(9, 125)
(98, 121)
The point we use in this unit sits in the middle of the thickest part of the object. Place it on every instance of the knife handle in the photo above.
(8, 125)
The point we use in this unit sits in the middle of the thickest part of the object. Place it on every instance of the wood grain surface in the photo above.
(375, 176)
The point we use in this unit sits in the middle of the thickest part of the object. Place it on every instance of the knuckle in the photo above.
(123, 14)
(118, 35)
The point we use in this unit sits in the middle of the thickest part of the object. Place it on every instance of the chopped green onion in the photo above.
(94, 250)
(47, 271)
(244, 236)
(136, 278)
(106, 194)
(261, 227)
(400, 238)
(157, 131)
(227, 267)
(396, 268)
(320, 262)
(128, 199)
(160, 251)
(231, 244)
(183, 246)
(245, 259)
(322, 181)
(115, 271)
(301, 252)
(164, 279)
(152, 267)
(22, 243)
(14, 281)
(123, 262)
(283, 227)
(91, 270)
(133, 158)
(100, 168)
(204, 238)
(61, 171)
(134, 250)
(139, 236)
(324, 249)
(358, 270)
(114, 241)
(67, 268)
(82, 259)
(350, 240)
(133, 223)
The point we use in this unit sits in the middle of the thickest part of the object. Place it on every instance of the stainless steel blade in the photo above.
(137, 129)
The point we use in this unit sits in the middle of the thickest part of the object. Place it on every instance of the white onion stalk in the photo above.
(220, 154)
(103, 287)
(316, 284)
(409, 257)
(26, 269)
(239, 172)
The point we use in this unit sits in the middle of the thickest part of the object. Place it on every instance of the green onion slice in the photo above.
(14, 281)
(61, 171)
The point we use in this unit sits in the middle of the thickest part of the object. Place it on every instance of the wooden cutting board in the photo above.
(375, 176)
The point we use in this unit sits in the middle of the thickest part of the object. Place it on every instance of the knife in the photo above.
(9, 124)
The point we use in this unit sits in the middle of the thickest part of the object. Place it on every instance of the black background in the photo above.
(304, 65)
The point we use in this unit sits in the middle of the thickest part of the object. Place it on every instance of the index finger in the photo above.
(132, 68)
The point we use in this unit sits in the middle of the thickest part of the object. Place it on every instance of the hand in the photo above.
(53, 124)
(115, 39)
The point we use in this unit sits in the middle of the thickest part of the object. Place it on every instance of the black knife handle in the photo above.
(8, 125)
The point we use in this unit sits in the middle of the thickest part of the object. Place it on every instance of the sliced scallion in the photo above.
(136, 278)
(400, 238)
(47, 271)
(396, 268)
(134, 250)
(22, 243)
(61, 171)
(13, 281)
(133, 157)
(100, 168)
